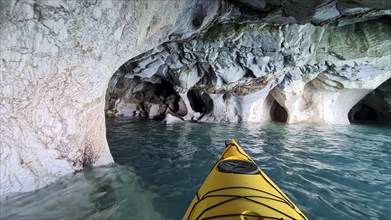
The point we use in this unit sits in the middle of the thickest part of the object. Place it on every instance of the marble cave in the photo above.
(68, 65)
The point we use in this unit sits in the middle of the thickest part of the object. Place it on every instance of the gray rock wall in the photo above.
(316, 73)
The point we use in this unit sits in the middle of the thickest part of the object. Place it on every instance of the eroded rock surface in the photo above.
(56, 60)
(235, 73)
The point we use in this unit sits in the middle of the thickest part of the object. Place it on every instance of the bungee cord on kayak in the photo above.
(237, 187)
(234, 197)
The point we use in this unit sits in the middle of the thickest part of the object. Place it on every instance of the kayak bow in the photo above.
(236, 188)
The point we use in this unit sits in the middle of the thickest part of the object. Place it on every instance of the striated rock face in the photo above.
(354, 59)
(56, 60)
(263, 72)
(203, 60)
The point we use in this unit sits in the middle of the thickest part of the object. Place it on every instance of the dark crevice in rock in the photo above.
(278, 113)
(362, 112)
(196, 22)
(198, 17)
(250, 74)
(200, 102)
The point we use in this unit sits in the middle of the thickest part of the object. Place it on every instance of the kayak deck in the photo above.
(238, 189)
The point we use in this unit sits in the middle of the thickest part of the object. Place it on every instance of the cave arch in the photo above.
(278, 113)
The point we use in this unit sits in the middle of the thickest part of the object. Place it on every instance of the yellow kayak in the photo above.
(236, 188)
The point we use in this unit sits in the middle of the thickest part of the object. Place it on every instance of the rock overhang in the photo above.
(341, 60)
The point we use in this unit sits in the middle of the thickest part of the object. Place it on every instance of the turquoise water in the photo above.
(330, 172)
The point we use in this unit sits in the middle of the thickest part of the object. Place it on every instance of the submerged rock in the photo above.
(170, 119)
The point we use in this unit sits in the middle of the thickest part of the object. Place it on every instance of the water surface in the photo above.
(330, 172)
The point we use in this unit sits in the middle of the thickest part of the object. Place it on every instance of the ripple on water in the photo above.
(108, 192)
(330, 172)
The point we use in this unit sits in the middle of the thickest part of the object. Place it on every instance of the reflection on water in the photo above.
(330, 172)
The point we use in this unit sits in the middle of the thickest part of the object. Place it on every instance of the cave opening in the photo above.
(200, 101)
(137, 97)
(374, 107)
(365, 114)
(278, 113)
(361, 113)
